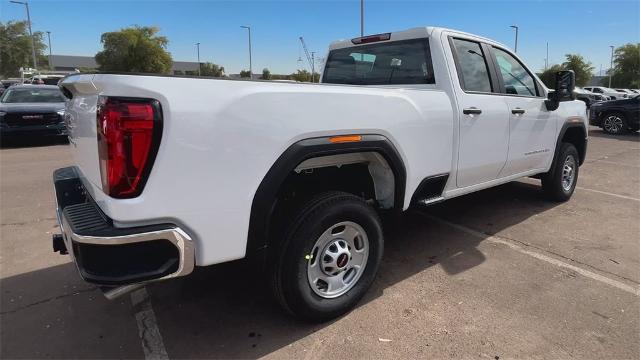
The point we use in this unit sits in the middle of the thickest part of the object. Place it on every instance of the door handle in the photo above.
(517, 111)
(472, 111)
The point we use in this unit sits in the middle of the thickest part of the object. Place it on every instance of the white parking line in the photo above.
(617, 163)
(635, 290)
(608, 193)
(148, 330)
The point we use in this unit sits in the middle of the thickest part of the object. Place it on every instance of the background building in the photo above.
(72, 62)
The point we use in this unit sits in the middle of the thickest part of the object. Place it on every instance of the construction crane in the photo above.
(310, 58)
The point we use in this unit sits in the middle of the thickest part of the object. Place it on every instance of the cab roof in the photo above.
(416, 33)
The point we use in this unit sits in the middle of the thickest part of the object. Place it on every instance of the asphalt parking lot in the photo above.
(497, 274)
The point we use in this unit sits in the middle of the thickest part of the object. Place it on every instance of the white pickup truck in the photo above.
(177, 172)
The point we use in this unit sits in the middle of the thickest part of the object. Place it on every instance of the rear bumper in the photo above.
(112, 256)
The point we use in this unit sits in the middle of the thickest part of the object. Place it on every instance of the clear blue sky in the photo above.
(583, 27)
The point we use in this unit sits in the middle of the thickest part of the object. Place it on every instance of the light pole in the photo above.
(611, 67)
(361, 17)
(313, 66)
(33, 43)
(51, 67)
(516, 47)
(546, 60)
(198, 51)
(250, 66)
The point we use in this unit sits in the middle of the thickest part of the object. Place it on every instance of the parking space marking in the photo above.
(148, 330)
(617, 163)
(608, 193)
(635, 290)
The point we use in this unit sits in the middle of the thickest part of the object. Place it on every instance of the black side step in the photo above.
(430, 190)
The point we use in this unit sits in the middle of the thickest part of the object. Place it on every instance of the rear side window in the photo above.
(388, 63)
(472, 66)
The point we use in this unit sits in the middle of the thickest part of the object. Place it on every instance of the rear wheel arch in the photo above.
(265, 199)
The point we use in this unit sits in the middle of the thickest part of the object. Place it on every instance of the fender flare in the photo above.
(566, 126)
(264, 199)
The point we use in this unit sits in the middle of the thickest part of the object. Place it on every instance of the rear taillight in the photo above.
(129, 132)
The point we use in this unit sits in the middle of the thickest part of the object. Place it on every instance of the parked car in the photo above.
(587, 96)
(32, 110)
(611, 93)
(49, 79)
(616, 116)
(172, 173)
(9, 82)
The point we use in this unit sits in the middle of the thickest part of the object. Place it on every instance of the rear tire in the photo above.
(329, 256)
(560, 182)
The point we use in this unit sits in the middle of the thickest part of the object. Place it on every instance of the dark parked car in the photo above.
(32, 110)
(616, 116)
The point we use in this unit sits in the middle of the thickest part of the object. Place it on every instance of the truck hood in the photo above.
(616, 102)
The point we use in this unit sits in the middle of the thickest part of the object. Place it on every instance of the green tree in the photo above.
(245, 74)
(15, 48)
(581, 67)
(548, 77)
(626, 67)
(211, 69)
(304, 76)
(301, 75)
(134, 49)
(266, 74)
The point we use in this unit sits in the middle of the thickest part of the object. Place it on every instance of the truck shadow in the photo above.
(225, 311)
(23, 142)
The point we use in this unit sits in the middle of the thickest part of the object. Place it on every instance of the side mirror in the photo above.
(565, 83)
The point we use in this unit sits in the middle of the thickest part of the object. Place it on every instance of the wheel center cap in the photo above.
(343, 259)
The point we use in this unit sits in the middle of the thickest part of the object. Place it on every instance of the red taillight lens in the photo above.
(129, 131)
(371, 39)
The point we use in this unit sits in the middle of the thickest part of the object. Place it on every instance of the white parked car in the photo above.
(611, 93)
(172, 173)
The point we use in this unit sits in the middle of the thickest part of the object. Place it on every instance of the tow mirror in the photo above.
(565, 83)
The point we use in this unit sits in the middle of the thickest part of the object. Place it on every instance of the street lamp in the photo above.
(250, 66)
(361, 17)
(546, 60)
(51, 67)
(33, 44)
(198, 50)
(611, 67)
(516, 47)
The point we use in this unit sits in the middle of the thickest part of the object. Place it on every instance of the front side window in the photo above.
(388, 63)
(517, 80)
(472, 66)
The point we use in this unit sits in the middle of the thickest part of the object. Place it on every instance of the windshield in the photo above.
(35, 95)
(399, 62)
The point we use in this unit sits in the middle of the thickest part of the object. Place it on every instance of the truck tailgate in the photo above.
(81, 125)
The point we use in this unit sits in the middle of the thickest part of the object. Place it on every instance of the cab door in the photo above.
(483, 142)
(532, 127)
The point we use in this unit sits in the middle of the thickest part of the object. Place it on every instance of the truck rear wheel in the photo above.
(329, 257)
(560, 182)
